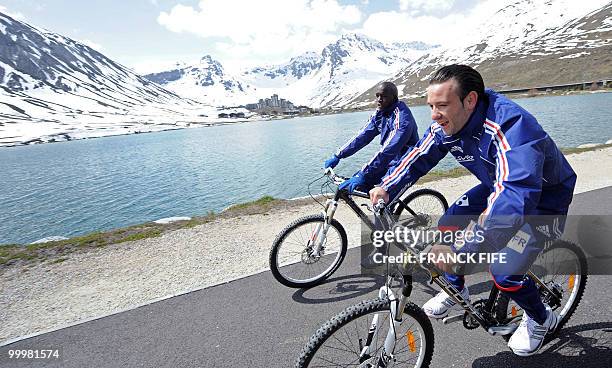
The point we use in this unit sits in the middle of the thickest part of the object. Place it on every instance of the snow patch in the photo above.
(589, 145)
(573, 56)
(169, 220)
(49, 239)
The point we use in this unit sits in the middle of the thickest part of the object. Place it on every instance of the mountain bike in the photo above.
(310, 249)
(392, 331)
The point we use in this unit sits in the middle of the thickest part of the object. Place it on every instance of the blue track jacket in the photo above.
(398, 132)
(505, 147)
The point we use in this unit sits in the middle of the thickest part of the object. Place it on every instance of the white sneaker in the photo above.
(439, 305)
(529, 336)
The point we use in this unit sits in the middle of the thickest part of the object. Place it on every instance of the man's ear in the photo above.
(471, 100)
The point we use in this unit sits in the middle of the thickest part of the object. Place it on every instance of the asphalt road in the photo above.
(256, 322)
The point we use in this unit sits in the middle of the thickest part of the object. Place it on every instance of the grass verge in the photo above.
(444, 174)
(54, 251)
(572, 150)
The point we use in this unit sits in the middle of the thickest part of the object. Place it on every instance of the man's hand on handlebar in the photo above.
(331, 162)
(351, 184)
(378, 193)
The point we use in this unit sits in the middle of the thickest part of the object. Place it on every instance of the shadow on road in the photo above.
(584, 346)
(352, 286)
(339, 288)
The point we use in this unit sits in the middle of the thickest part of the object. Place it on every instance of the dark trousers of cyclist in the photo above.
(520, 253)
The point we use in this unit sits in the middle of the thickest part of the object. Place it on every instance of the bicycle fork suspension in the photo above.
(319, 234)
(386, 353)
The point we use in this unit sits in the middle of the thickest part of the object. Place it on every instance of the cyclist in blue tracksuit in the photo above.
(521, 172)
(393, 121)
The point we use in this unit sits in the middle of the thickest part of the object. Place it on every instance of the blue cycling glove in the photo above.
(332, 162)
(352, 183)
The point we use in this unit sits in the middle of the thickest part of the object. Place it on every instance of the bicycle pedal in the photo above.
(451, 319)
(502, 330)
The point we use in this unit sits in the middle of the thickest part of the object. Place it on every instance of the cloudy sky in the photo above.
(148, 35)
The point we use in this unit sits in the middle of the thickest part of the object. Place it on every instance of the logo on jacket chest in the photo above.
(460, 155)
(464, 158)
(456, 149)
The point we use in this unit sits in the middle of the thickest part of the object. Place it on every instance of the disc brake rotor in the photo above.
(308, 256)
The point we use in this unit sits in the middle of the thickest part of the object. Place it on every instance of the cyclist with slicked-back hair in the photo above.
(521, 172)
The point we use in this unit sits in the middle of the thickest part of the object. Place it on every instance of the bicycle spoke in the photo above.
(351, 341)
(334, 364)
(337, 348)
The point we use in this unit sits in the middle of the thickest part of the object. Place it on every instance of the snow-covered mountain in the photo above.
(206, 81)
(530, 43)
(280, 76)
(518, 43)
(54, 88)
(341, 71)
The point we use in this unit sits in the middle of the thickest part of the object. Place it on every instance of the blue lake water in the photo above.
(72, 188)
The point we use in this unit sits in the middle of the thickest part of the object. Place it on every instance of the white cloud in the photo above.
(416, 7)
(271, 29)
(394, 26)
(92, 44)
(457, 28)
(15, 15)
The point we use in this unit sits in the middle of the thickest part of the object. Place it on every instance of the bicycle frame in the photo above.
(485, 321)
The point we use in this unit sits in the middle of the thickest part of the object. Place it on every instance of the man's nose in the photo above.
(435, 114)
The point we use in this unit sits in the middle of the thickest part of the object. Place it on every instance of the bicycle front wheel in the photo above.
(294, 262)
(341, 340)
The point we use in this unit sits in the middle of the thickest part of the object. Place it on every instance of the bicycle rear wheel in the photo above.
(426, 204)
(292, 259)
(563, 268)
(340, 340)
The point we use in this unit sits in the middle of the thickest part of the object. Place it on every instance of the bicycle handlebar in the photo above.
(333, 176)
(338, 179)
